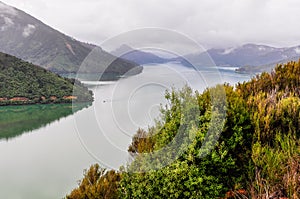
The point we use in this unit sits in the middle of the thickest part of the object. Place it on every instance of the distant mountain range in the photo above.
(250, 58)
(144, 57)
(138, 56)
(28, 38)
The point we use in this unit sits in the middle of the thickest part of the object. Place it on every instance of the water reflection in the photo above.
(16, 120)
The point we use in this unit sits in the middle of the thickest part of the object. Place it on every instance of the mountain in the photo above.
(24, 83)
(250, 58)
(250, 55)
(28, 38)
(138, 56)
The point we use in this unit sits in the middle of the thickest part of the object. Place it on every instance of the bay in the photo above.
(44, 148)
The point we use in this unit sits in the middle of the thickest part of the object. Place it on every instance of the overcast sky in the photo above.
(212, 23)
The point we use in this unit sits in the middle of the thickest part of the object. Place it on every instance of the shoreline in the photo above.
(35, 102)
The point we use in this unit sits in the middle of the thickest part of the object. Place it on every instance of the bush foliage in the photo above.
(256, 156)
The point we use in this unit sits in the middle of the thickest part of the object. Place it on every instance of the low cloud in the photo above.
(28, 30)
(8, 22)
(212, 23)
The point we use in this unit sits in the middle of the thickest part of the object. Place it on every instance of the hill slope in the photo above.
(30, 39)
(25, 83)
(264, 68)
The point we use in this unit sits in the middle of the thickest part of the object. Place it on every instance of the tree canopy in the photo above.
(24, 83)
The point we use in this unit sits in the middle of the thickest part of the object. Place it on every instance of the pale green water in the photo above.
(16, 120)
(44, 148)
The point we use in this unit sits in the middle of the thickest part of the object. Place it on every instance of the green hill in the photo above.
(24, 83)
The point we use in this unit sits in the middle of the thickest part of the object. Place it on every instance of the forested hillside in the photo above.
(256, 156)
(25, 83)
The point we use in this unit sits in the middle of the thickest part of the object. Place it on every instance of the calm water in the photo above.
(47, 162)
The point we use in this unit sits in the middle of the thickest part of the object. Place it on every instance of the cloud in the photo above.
(212, 23)
(28, 30)
(8, 22)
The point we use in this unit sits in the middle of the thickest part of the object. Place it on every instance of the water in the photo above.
(48, 161)
(16, 120)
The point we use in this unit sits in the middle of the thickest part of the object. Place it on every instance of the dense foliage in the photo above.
(24, 83)
(257, 154)
(97, 183)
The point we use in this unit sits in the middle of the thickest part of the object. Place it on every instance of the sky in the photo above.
(212, 23)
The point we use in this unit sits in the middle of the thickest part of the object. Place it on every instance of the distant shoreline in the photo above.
(20, 101)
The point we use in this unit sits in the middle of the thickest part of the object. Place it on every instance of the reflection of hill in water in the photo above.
(16, 120)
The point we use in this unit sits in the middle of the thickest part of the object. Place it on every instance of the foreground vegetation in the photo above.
(256, 156)
(25, 83)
